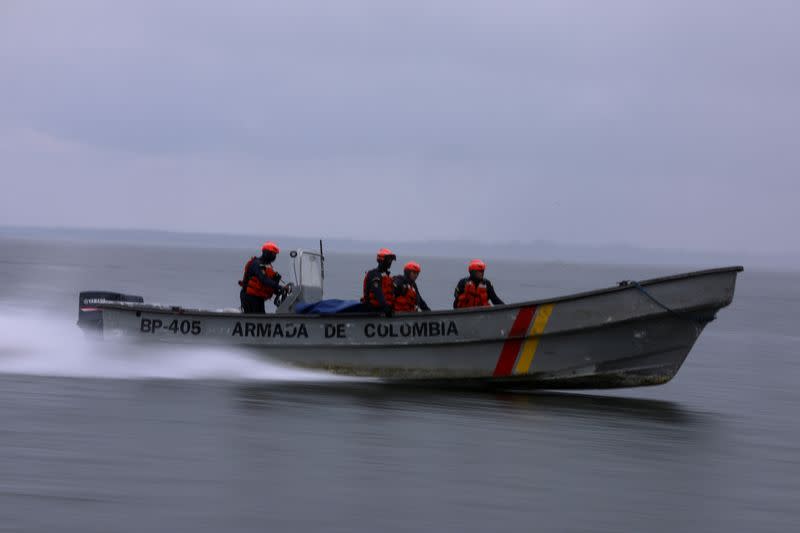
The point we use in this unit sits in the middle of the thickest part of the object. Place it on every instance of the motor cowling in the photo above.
(90, 317)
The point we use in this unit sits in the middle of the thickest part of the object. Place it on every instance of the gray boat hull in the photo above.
(624, 336)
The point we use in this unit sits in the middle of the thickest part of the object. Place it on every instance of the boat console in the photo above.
(308, 270)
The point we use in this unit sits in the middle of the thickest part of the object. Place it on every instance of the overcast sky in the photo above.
(658, 123)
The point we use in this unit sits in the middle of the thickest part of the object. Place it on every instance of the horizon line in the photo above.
(365, 241)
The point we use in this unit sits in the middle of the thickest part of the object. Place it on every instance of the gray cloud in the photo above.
(662, 124)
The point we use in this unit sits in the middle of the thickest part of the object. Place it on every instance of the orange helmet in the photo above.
(412, 266)
(476, 264)
(270, 246)
(385, 253)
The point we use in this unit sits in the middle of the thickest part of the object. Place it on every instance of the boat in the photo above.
(636, 333)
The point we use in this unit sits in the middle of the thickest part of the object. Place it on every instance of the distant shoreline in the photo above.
(537, 251)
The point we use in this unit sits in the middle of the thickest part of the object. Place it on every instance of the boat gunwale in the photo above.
(178, 310)
(660, 315)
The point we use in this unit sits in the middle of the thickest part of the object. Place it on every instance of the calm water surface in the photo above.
(100, 437)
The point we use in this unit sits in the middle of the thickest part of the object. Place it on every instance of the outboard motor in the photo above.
(90, 318)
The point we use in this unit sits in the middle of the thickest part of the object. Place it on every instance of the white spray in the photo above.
(51, 345)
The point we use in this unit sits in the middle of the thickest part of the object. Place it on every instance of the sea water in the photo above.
(98, 436)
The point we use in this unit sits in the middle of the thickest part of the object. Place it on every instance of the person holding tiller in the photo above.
(260, 281)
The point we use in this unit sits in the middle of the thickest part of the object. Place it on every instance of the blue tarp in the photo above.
(330, 307)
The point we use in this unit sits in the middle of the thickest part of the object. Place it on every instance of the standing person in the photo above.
(407, 297)
(475, 290)
(378, 291)
(260, 281)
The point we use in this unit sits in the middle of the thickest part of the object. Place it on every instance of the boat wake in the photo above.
(36, 344)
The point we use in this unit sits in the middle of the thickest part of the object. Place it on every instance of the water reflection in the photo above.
(393, 397)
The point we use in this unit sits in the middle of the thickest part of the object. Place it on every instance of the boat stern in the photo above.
(90, 312)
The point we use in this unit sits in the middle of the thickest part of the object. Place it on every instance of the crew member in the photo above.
(475, 290)
(406, 293)
(378, 291)
(260, 281)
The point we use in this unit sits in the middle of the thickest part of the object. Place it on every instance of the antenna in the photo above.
(322, 260)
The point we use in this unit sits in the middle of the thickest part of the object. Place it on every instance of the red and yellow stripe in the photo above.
(520, 348)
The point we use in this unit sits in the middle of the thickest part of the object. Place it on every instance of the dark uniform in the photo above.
(407, 297)
(378, 290)
(259, 283)
(475, 293)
